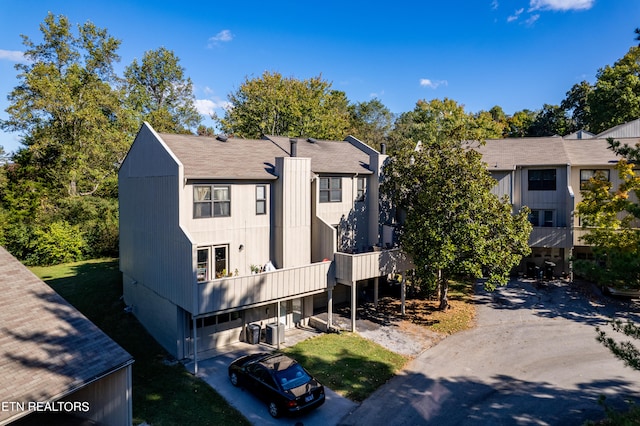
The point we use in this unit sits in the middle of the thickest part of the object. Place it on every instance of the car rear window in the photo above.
(292, 377)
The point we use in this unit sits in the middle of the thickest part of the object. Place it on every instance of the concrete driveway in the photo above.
(214, 372)
(531, 360)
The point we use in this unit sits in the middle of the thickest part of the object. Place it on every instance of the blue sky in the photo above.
(514, 53)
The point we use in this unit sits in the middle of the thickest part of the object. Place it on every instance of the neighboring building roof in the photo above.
(590, 152)
(580, 134)
(630, 129)
(47, 348)
(251, 159)
(506, 154)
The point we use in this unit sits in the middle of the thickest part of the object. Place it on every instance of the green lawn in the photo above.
(348, 364)
(162, 394)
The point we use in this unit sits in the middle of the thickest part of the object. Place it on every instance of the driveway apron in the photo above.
(532, 360)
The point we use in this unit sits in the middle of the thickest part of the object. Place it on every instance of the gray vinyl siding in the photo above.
(555, 200)
(292, 212)
(504, 185)
(154, 250)
(109, 398)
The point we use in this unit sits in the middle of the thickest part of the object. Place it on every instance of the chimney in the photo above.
(383, 148)
(294, 147)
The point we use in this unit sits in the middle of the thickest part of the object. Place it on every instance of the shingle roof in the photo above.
(506, 154)
(236, 158)
(327, 156)
(47, 348)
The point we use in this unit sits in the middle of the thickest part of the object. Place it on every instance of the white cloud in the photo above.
(223, 36)
(432, 84)
(532, 19)
(562, 5)
(208, 106)
(515, 15)
(12, 55)
(494, 4)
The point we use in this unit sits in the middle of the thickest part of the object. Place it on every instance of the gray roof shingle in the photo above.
(251, 159)
(47, 348)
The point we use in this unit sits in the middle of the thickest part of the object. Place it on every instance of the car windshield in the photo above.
(292, 377)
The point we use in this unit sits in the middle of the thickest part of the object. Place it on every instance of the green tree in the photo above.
(610, 215)
(71, 118)
(451, 222)
(616, 94)
(519, 124)
(371, 122)
(431, 120)
(576, 104)
(551, 120)
(159, 91)
(274, 105)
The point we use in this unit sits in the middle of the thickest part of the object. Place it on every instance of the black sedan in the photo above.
(280, 381)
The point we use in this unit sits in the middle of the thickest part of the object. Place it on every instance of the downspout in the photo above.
(195, 346)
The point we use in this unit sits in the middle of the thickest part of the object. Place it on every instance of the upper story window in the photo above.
(211, 201)
(587, 174)
(542, 180)
(330, 189)
(361, 188)
(542, 218)
(261, 199)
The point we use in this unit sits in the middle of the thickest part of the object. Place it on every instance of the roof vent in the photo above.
(312, 140)
(222, 138)
(294, 147)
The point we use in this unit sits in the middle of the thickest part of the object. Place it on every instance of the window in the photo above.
(330, 189)
(361, 188)
(542, 180)
(587, 174)
(261, 199)
(542, 218)
(211, 201)
(220, 263)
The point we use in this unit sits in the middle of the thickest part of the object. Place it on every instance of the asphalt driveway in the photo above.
(531, 360)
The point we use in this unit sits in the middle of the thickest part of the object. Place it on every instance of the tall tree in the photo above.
(551, 120)
(452, 223)
(575, 103)
(434, 119)
(616, 95)
(159, 91)
(70, 116)
(274, 105)
(519, 124)
(371, 122)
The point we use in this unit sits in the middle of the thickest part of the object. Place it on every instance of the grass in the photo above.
(168, 395)
(348, 364)
(162, 394)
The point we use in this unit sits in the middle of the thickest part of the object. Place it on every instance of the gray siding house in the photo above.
(56, 367)
(220, 233)
(546, 175)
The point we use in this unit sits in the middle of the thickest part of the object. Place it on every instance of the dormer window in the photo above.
(330, 189)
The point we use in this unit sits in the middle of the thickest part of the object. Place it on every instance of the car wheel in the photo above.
(274, 410)
(233, 377)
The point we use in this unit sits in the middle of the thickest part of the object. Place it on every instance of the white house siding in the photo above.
(504, 185)
(242, 228)
(548, 200)
(292, 239)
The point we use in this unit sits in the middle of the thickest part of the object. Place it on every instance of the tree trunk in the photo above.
(444, 290)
